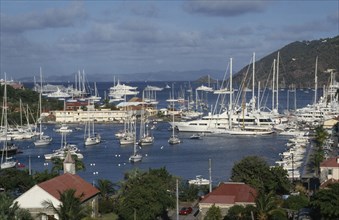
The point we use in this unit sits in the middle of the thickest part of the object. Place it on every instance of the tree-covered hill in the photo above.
(29, 100)
(297, 63)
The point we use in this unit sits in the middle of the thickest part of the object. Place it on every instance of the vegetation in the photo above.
(107, 190)
(267, 206)
(318, 153)
(325, 202)
(16, 181)
(28, 98)
(213, 213)
(146, 194)
(255, 171)
(297, 63)
(296, 202)
(70, 207)
(189, 192)
(10, 210)
(239, 212)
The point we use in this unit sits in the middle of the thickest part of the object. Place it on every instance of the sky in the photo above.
(122, 37)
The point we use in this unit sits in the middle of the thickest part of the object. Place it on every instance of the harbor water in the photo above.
(109, 160)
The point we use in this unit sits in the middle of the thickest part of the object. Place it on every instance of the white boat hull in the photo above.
(8, 164)
(135, 158)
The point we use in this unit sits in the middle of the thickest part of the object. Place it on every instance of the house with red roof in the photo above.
(329, 170)
(33, 199)
(227, 195)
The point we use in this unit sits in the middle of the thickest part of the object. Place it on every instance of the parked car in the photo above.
(185, 211)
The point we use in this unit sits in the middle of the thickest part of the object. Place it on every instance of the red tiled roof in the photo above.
(328, 182)
(231, 193)
(331, 162)
(69, 181)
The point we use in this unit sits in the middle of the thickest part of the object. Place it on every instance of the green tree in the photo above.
(149, 194)
(252, 170)
(320, 135)
(213, 213)
(16, 180)
(296, 202)
(278, 181)
(70, 207)
(44, 176)
(255, 171)
(267, 206)
(239, 212)
(326, 202)
(189, 192)
(106, 188)
(10, 210)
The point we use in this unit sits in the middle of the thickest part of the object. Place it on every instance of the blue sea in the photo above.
(109, 160)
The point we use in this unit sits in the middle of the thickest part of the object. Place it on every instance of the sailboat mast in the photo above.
(258, 96)
(253, 81)
(20, 106)
(230, 109)
(316, 80)
(277, 82)
(273, 82)
(5, 121)
(40, 106)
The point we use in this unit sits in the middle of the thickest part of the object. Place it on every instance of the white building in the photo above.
(82, 116)
(50, 190)
(329, 169)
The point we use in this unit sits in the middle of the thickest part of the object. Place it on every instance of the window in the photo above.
(330, 172)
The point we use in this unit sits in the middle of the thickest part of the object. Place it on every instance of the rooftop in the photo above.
(69, 181)
(231, 193)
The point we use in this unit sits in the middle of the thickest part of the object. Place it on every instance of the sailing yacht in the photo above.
(174, 139)
(92, 138)
(135, 157)
(43, 139)
(64, 148)
(146, 138)
(6, 162)
(95, 97)
(129, 136)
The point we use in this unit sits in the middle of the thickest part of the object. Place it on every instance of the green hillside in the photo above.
(297, 63)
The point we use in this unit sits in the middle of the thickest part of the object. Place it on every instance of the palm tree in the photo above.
(106, 188)
(70, 207)
(10, 210)
(266, 206)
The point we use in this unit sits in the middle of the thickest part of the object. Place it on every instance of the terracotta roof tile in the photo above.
(331, 162)
(231, 193)
(328, 182)
(69, 181)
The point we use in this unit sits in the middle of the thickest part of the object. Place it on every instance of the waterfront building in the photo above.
(103, 115)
